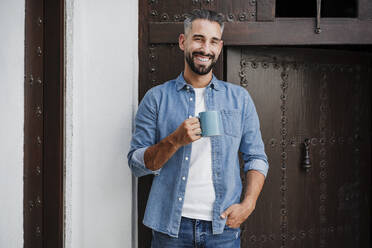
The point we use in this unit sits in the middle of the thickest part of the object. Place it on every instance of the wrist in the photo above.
(248, 204)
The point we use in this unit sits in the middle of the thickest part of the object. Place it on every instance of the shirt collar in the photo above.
(181, 83)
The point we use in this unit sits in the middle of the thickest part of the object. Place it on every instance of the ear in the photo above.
(220, 46)
(181, 40)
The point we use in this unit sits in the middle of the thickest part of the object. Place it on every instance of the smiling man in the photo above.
(195, 195)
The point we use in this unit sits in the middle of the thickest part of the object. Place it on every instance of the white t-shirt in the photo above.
(200, 193)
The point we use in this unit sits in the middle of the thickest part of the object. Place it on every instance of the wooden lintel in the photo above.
(283, 31)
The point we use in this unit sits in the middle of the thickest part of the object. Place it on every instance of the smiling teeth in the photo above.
(204, 60)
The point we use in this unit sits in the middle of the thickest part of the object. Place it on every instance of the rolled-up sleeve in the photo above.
(251, 145)
(144, 135)
(258, 165)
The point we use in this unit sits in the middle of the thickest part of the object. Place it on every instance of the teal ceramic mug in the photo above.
(210, 123)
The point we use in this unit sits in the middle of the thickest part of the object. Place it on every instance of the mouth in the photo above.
(202, 58)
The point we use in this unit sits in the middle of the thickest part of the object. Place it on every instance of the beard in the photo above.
(200, 69)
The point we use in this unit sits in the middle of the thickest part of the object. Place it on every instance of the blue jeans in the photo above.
(197, 234)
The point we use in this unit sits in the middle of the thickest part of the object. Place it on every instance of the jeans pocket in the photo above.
(234, 231)
(231, 121)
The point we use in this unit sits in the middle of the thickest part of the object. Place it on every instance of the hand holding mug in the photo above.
(187, 132)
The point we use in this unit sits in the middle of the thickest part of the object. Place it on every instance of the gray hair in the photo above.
(204, 15)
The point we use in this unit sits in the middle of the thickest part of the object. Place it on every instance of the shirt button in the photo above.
(187, 158)
(183, 178)
(180, 199)
(187, 87)
(190, 98)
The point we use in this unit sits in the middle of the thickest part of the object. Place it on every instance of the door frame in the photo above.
(44, 124)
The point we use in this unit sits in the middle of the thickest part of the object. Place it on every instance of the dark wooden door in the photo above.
(252, 22)
(322, 96)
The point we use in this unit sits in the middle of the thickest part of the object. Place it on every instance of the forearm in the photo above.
(238, 213)
(157, 155)
(254, 183)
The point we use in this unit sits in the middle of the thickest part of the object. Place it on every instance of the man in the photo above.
(195, 195)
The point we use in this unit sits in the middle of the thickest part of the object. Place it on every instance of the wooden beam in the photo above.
(284, 31)
(265, 10)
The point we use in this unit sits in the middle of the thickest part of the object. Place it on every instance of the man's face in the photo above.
(202, 45)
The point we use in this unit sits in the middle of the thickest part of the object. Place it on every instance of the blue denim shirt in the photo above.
(160, 112)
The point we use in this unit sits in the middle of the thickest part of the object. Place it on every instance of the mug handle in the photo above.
(200, 134)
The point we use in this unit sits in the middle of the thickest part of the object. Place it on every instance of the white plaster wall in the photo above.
(101, 97)
(12, 18)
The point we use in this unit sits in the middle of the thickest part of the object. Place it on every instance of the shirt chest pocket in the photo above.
(231, 121)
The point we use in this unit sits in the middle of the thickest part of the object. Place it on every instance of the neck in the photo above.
(196, 80)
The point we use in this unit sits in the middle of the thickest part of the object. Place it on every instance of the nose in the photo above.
(206, 48)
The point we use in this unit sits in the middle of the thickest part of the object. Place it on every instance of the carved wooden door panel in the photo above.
(317, 103)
